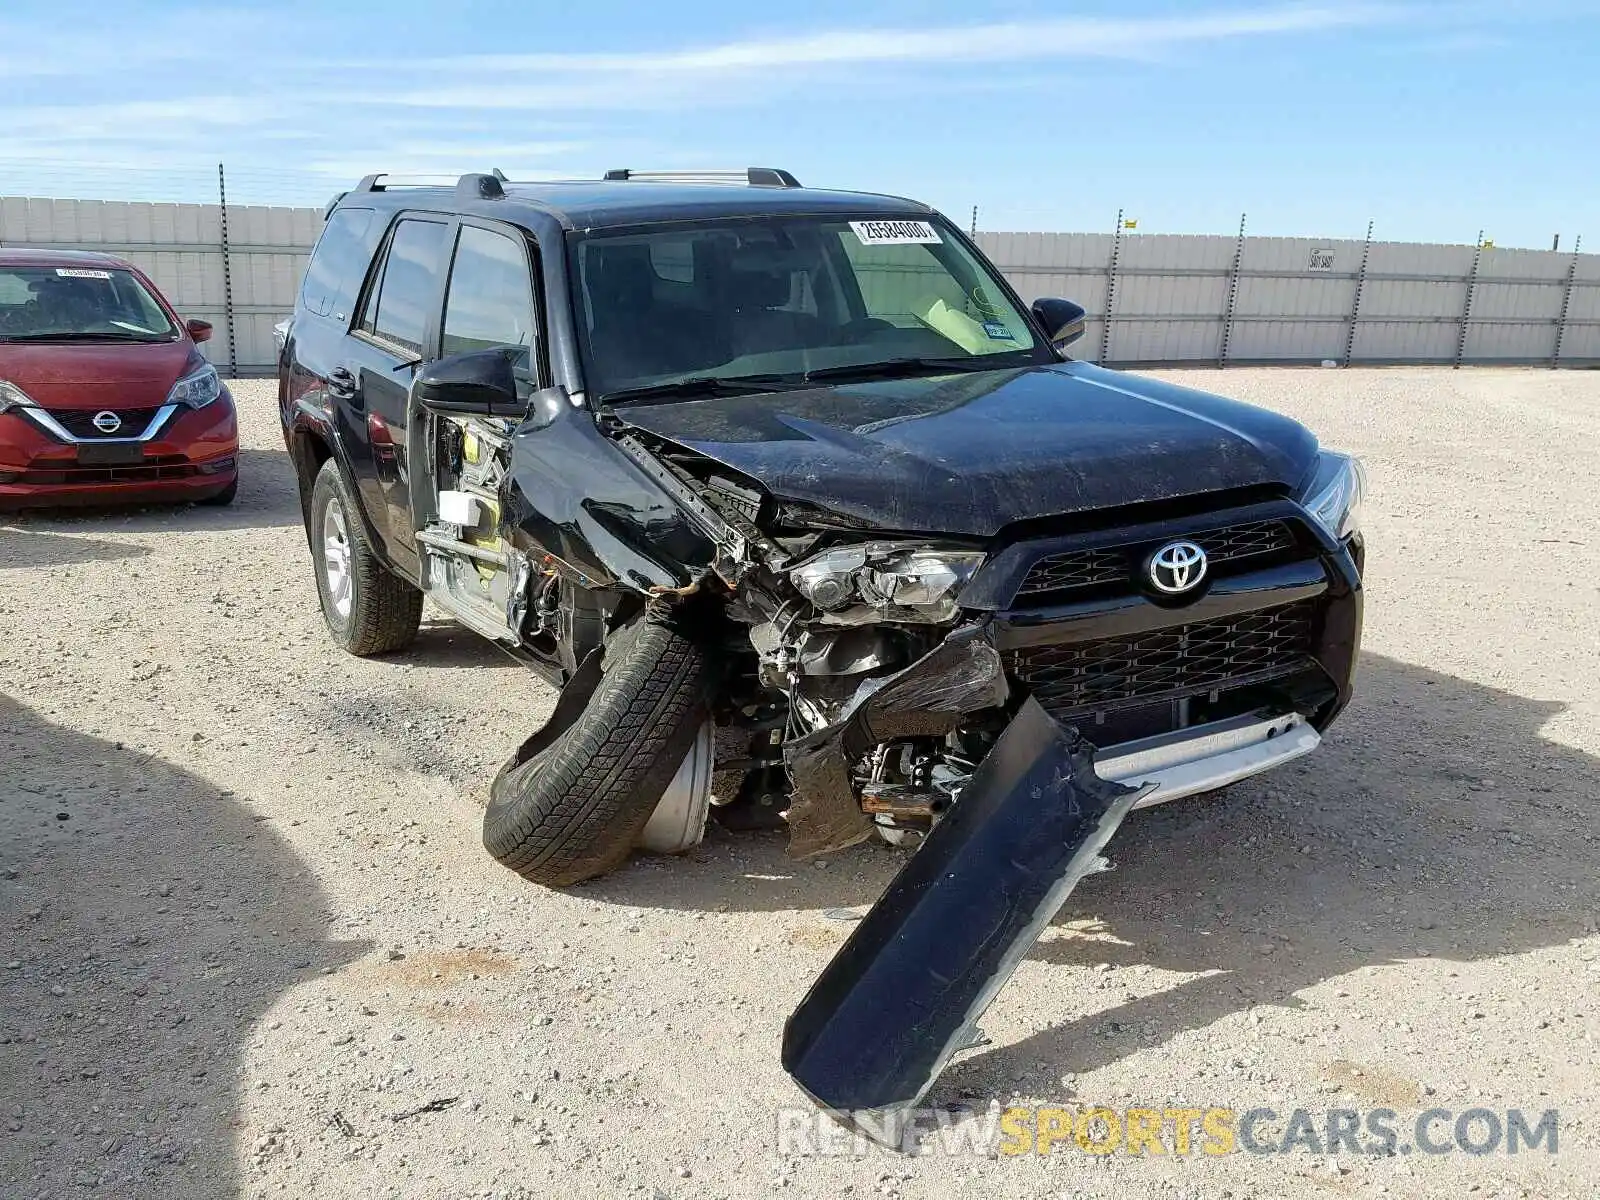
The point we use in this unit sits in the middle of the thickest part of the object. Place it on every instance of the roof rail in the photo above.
(383, 181)
(753, 176)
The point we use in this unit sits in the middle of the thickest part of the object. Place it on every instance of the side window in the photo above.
(398, 310)
(490, 301)
(339, 262)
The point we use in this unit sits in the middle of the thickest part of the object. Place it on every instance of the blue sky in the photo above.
(1436, 119)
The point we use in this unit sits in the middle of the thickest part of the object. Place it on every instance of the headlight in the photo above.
(11, 396)
(197, 389)
(887, 581)
(1334, 497)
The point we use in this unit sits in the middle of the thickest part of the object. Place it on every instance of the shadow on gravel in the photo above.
(268, 498)
(1437, 821)
(444, 643)
(20, 547)
(144, 935)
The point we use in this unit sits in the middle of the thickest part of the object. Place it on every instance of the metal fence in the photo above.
(1153, 299)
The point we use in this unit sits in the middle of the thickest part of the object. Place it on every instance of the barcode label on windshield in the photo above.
(81, 273)
(895, 233)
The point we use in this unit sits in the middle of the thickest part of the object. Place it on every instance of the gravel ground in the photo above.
(248, 929)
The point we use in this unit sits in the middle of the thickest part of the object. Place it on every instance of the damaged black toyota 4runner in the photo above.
(804, 511)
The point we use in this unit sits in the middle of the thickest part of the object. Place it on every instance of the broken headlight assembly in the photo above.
(886, 581)
(1337, 489)
(196, 389)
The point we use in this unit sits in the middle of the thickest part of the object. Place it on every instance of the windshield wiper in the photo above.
(700, 385)
(745, 385)
(80, 336)
(894, 368)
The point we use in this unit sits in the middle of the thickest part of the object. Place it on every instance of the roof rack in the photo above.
(753, 176)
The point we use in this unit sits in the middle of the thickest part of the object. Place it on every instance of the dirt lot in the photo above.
(246, 926)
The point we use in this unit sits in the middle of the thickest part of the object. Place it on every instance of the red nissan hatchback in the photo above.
(105, 397)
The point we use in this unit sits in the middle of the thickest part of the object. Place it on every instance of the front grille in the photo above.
(1182, 660)
(1071, 570)
(80, 422)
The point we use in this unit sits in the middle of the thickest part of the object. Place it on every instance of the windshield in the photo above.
(772, 300)
(67, 303)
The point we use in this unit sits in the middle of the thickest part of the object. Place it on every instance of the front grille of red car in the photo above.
(80, 422)
(152, 470)
(1074, 678)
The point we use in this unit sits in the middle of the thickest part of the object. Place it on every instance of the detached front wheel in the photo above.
(575, 808)
(369, 609)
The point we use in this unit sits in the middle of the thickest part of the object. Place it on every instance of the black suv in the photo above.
(810, 518)
(789, 487)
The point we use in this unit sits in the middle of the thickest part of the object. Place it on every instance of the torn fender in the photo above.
(927, 699)
(906, 991)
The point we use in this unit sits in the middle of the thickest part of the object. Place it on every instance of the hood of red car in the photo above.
(69, 375)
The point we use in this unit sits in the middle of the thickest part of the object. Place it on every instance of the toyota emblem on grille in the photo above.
(107, 422)
(1177, 567)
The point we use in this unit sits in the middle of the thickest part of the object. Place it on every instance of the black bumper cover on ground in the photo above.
(905, 992)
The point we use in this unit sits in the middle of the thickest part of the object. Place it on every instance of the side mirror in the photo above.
(199, 330)
(479, 383)
(1062, 320)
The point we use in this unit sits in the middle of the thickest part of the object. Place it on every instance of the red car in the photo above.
(105, 397)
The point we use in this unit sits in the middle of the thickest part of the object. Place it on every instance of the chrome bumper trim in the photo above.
(1207, 757)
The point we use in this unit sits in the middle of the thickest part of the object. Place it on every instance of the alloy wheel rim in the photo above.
(336, 559)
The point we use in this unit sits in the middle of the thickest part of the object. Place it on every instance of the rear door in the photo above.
(397, 331)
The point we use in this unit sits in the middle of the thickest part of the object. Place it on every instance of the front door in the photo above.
(396, 332)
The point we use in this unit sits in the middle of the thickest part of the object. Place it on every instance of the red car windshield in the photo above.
(50, 304)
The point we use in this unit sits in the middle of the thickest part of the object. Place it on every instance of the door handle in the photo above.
(341, 384)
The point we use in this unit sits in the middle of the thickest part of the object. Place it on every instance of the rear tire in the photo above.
(369, 610)
(574, 810)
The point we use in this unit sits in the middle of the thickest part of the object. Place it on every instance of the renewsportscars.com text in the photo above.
(1171, 1131)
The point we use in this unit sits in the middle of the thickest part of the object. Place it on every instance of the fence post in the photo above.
(1111, 291)
(1233, 294)
(1566, 301)
(1355, 309)
(227, 277)
(1466, 307)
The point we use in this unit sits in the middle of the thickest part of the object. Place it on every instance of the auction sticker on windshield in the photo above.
(81, 273)
(895, 233)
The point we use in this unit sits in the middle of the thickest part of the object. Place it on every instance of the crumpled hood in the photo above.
(969, 454)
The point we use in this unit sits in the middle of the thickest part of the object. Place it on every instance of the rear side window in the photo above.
(490, 302)
(398, 311)
(339, 263)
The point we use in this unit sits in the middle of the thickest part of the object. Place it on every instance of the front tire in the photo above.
(369, 610)
(575, 809)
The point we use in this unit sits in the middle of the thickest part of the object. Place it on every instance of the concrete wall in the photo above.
(1197, 299)
(180, 247)
(1171, 299)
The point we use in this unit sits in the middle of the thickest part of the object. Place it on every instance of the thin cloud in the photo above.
(628, 80)
(1009, 40)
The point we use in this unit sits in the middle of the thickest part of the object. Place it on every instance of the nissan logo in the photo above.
(1177, 567)
(107, 422)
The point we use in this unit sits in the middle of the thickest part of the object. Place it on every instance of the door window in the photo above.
(490, 300)
(398, 312)
(339, 263)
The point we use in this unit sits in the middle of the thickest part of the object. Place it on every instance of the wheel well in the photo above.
(308, 451)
